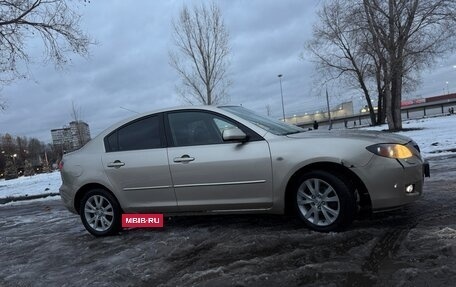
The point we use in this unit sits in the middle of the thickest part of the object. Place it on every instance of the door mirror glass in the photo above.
(234, 134)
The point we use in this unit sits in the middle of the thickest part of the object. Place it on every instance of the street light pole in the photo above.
(281, 95)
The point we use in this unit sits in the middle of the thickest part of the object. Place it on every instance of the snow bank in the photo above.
(31, 185)
(435, 136)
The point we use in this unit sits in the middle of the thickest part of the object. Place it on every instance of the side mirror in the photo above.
(234, 134)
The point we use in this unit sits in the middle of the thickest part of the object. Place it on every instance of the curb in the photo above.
(26, 197)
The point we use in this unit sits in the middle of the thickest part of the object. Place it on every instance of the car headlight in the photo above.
(391, 150)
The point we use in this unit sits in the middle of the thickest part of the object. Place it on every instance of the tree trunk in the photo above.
(396, 91)
(382, 77)
(392, 70)
(368, 100)
(381, 116)
(389, 106)
(397, 113)
(209, 96)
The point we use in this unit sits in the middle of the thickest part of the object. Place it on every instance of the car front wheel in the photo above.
(100, 213)
(324, 201)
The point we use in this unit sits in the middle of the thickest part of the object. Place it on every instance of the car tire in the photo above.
(324, 201)
(100, 213)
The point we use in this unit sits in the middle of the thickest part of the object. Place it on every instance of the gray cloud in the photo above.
(129, 66)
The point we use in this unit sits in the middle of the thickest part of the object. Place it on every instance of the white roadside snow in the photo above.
(28, 201)
(31, 185)
(435, 136)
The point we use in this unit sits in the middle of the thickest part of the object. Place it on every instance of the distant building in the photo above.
(80, 133)
(61, 136)
(342, 110)
(71, 137)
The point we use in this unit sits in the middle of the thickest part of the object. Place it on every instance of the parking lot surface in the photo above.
(42, 244)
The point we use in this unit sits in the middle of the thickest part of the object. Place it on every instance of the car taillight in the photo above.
(61, 165)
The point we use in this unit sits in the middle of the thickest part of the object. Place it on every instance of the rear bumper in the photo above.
(67, 198)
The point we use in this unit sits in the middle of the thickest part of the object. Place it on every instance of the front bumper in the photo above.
(426, 169)
(387, 180)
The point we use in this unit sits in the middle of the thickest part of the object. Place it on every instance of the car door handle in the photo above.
(184, 159)
(116, 164)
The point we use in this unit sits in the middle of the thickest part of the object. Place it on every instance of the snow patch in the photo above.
(435, 136)
(446, 233)
(31, 185)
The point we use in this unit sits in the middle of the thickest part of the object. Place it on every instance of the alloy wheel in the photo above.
(318, 202)
(99, 213)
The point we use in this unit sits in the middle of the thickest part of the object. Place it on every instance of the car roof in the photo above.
(144, 114)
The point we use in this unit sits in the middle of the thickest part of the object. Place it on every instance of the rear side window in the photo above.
(144, 133)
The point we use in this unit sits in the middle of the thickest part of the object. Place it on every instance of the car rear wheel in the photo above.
(324, 201)
(100, 213)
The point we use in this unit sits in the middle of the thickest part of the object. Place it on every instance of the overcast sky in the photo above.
(128, 68)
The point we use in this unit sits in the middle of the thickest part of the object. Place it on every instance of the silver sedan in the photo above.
(230, 160)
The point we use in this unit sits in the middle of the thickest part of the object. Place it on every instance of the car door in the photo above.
(136, 163)
(210, 174)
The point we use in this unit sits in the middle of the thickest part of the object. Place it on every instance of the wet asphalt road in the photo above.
(42, 244)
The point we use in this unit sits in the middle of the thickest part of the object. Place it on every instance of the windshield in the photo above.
(269, 124)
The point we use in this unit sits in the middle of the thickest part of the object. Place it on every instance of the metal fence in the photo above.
(410, 112)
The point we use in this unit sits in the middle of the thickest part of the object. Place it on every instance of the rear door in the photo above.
(136, 163)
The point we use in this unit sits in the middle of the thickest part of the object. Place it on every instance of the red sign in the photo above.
(142, 220)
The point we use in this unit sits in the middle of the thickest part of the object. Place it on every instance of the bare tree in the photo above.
(19, 150)
(22, 152)
(411, 34)
(201, 54)
(54, 21)
(9, 146)
(76, 127)
(35, 152)
(384, 42)
(339, 45)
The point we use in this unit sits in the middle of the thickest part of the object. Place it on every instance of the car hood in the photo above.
(373, 136)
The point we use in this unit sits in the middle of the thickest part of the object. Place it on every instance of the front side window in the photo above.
(197, 128)
(223, 125)
(140, 134)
